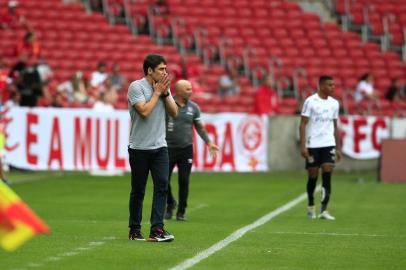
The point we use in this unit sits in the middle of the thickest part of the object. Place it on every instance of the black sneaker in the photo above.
(160, 235)
(181, 217)
(136, 235)
(169, 210)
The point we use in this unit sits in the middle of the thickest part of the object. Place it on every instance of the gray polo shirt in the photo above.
(179, 129)
(146, 133)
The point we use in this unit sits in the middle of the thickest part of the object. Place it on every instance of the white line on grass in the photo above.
(238, 234)
(77, 251)
(198, 207)
(35, 178)
(337, 234)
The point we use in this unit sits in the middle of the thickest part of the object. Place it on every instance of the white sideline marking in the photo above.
(337, 234)
(37, 178)
(77, 251)
(238, 234)
(198, 207)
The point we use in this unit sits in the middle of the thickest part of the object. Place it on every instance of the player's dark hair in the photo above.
(152, 61)
(28, 36)
(324, 78)
(364, 77)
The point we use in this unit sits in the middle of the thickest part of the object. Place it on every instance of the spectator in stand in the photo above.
(96, 5)
(199, 90)
(11, 18)
(99, 76)
(46, 75)
(266, 99)
(403, 92)
(228, 84)
(4, 81)
(17, 69)
(365, 89)
(160, 8)
(105, 102)
(2, 148)
(29, 84)
(66, 88)
(14, 77)
(393, 92)
(188, 71)
(58, 100)
(14, 100)
(44, 70)
(184, 70)
(28, 47)
(117, 10)
(75, 89)
(117, 80)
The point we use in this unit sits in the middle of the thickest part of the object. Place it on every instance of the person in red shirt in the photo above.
(11, 18)
(184, 70)
(266, 99)
(28, 47)
(4, 81)
(160, 8)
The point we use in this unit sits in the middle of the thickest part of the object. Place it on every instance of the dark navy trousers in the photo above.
(182, 157)
(142, 162)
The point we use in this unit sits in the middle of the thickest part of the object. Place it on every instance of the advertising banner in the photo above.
(82, 139)
(398, 128)
(362, 136)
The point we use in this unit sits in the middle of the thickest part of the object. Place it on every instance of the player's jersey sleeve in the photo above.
(337, 110)
(196, 113)
(135, 93)
(306, 110)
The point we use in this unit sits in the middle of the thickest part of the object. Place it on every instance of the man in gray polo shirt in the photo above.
(148, 101)
(179, 138)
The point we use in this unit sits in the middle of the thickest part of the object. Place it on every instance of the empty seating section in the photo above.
(394, 11)
(280, 28)
(73, 40)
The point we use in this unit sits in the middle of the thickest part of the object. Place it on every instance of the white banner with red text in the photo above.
(398, 130)
(361, 136)
(82, 139)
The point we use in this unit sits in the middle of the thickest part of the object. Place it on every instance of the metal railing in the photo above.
(274, 63)
(248, 52)
(297, 73)
(224, 43)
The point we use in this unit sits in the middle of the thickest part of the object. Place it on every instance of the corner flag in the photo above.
(18, 223)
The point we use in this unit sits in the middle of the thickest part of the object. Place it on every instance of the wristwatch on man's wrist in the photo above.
(166, 95)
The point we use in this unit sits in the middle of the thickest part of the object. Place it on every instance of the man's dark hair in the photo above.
(28, 36)
(324, 78)
(101, 64)
(364, 77)
(152, 61)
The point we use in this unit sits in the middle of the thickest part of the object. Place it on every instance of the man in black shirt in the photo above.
(180, 148)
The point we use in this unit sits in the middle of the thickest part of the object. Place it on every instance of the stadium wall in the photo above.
(284, 152)
(81, 139)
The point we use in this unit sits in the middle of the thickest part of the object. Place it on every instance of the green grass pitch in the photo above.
(88, 218)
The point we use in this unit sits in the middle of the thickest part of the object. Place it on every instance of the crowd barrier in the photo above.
(83, 139)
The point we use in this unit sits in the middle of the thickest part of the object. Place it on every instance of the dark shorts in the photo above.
(177, 154)
(321, 156)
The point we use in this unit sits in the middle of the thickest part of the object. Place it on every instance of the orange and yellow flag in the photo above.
(18, 223)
